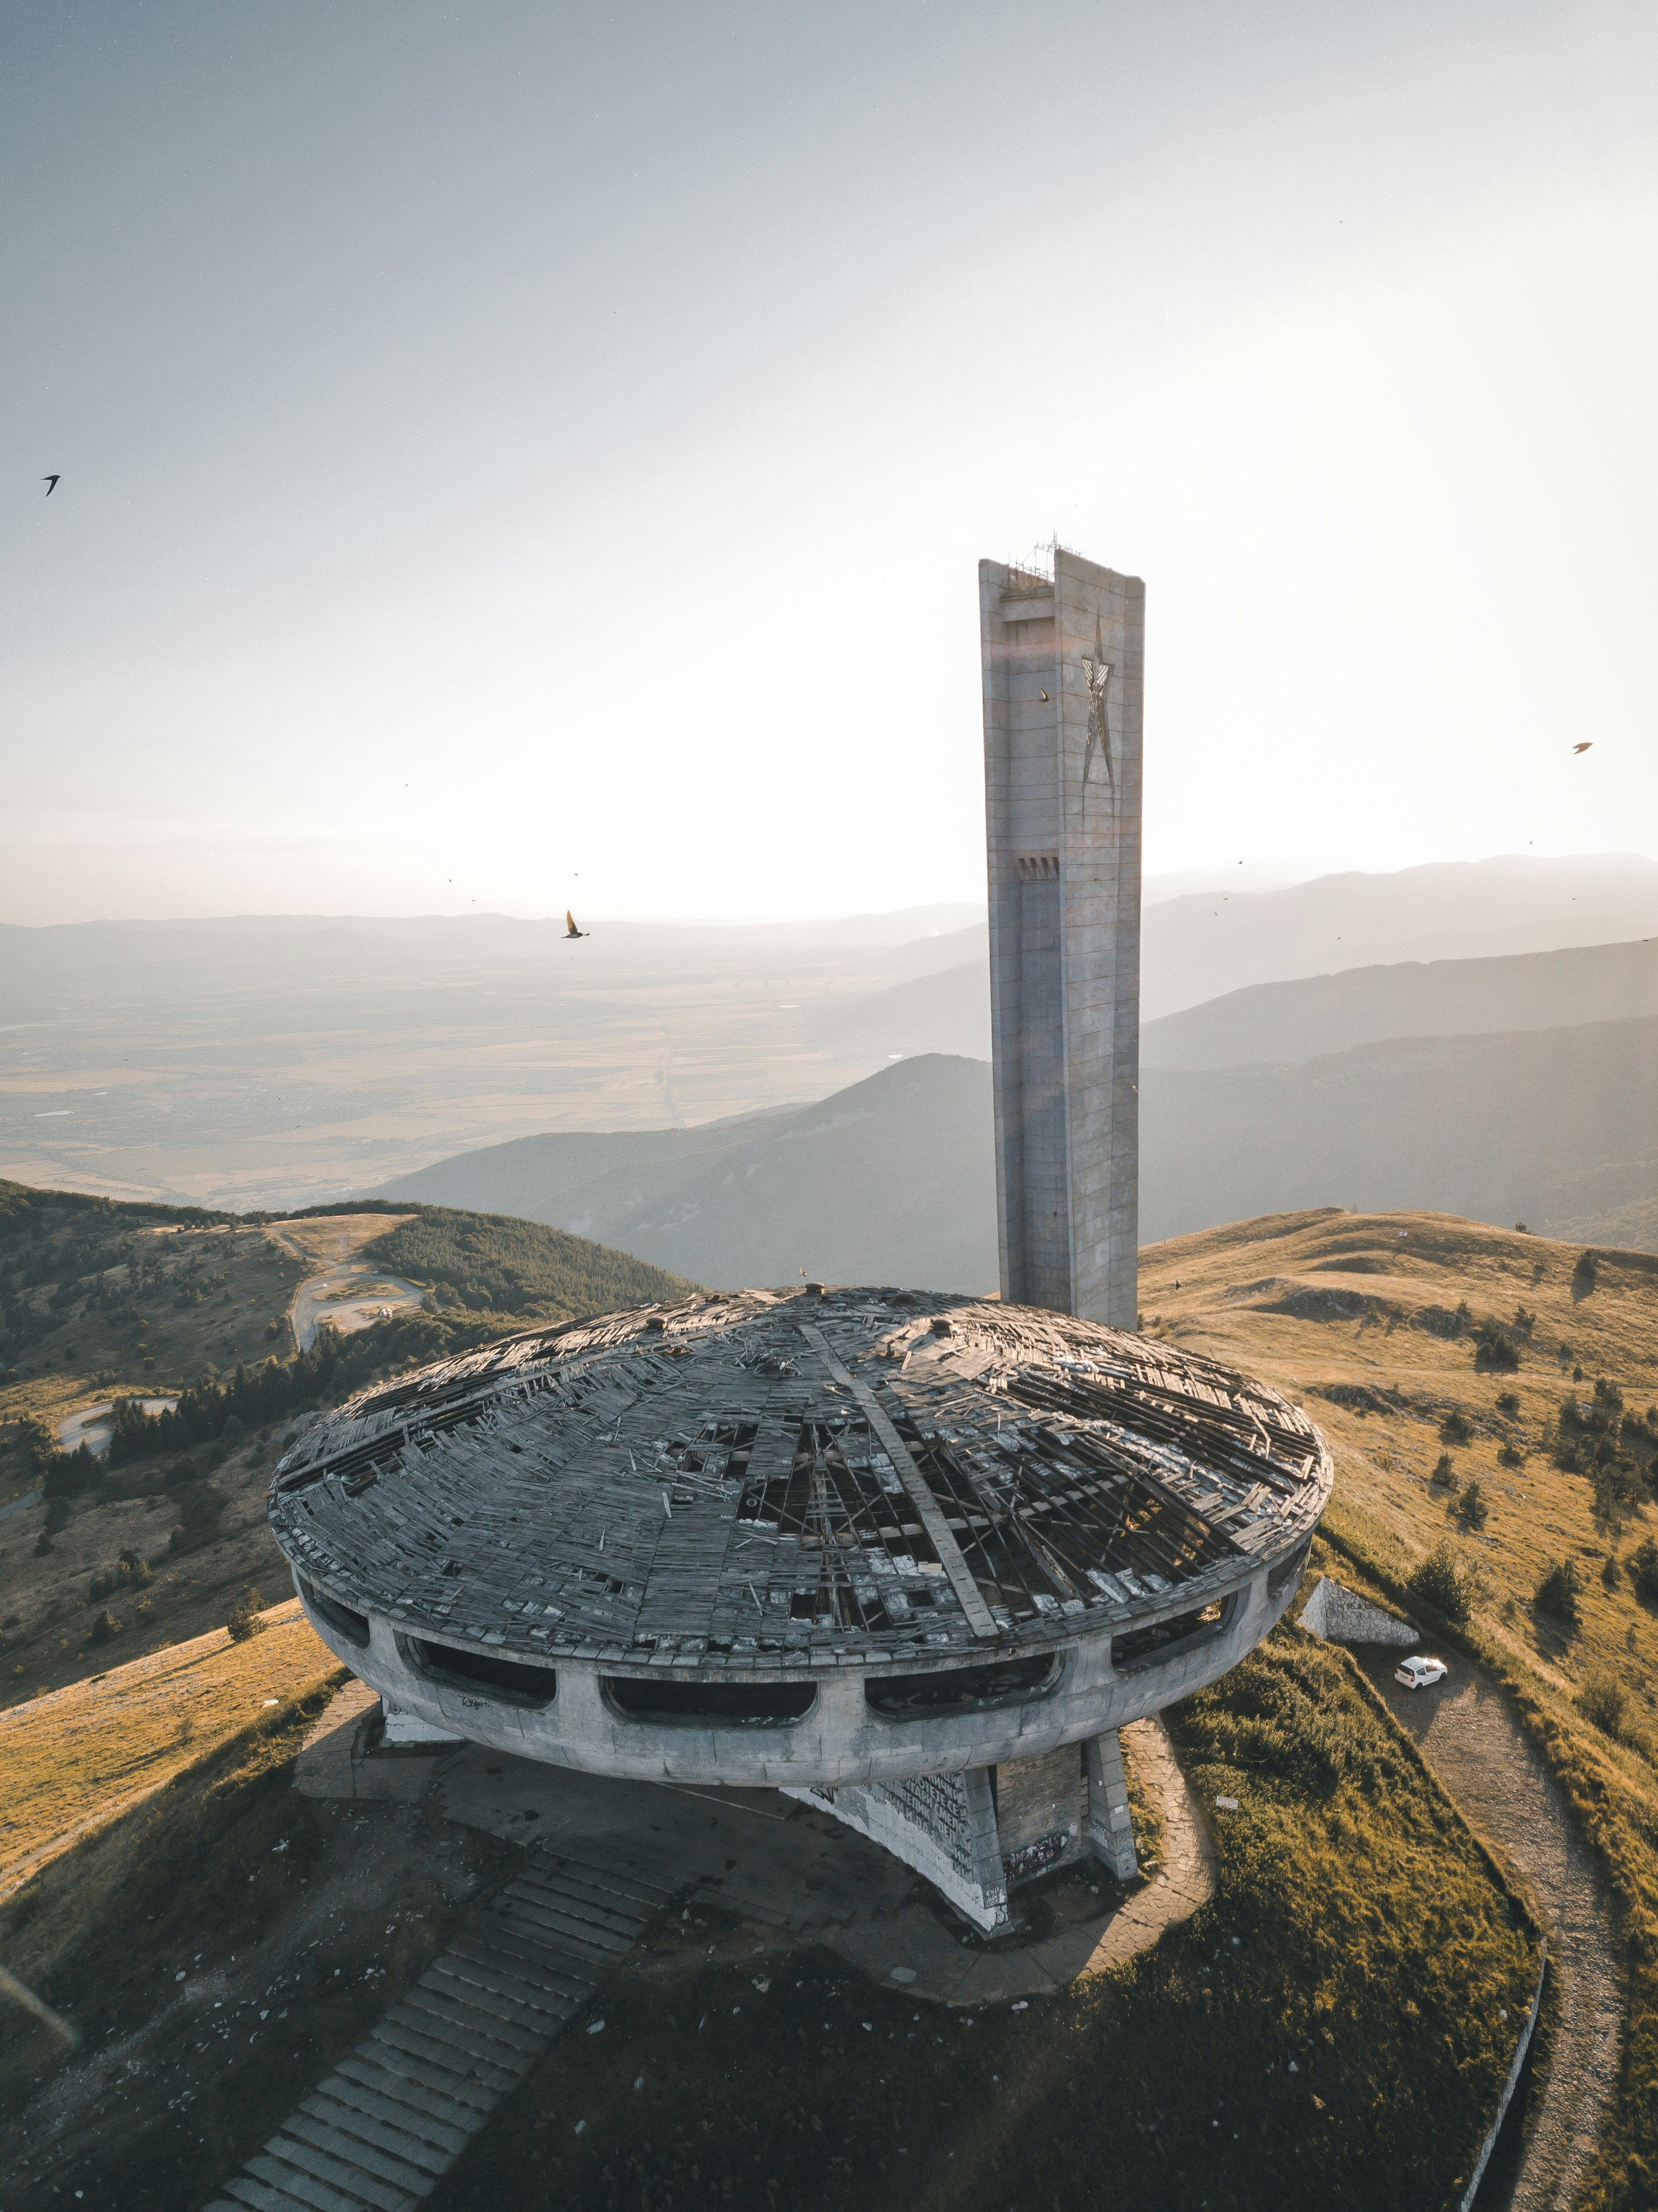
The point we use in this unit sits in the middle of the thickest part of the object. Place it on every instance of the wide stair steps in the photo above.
(393, 2117)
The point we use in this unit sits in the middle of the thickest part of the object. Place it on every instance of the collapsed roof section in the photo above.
(767, 1481)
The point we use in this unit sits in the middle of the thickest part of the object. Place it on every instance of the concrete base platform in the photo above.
(778, 1864)
(1075, 1922)
(751, 1852)
(342, 1756)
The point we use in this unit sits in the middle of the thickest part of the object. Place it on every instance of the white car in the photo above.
(1419, 1674)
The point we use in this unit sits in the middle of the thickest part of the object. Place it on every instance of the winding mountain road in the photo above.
(1472, 1738)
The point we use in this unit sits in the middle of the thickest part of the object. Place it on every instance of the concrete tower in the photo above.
(1064, 668)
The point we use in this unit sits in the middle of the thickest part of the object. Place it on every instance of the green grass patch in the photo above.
(1334, 2027)
(493, 1263)
(1611, 1798)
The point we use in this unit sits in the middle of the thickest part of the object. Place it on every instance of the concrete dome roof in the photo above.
(757, 1487)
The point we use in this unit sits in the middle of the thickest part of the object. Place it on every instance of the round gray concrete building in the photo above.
(916, 1556)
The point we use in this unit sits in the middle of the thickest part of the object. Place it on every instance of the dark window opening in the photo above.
(734, 1705)
(1287, 1574)
(1136, 1647)
(353, 1625)
(961, 1689)
(514, 1681)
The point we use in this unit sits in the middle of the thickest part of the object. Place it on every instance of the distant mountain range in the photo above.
(889, 1181)
(1199, 948)
(279, 1060)
(893, 1179)
(1456, 948)
(1414, 998)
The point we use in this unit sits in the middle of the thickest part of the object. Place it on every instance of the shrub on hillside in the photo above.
(56, 1515)
(1494, 1348)
(1510, 1455)
(130, 1572)
(1642, 1568)
(105, 1627)
(1603, 1704)
(1444, 1474)
(1456, 1428)
(1444, 1584)
(1471, 1509)
(243, 1619)
(200, 1506)
(1557, 1593)
(1586, 1274)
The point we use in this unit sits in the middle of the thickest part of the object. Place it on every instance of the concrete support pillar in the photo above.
(984, 1844)
(942, 1825)
(1109, 1832)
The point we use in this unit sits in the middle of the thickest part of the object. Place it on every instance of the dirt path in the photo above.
(332, 1243)
(1474, 1741)
(348, 1297)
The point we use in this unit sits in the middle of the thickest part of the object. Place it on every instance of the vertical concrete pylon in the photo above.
(1064, 669)
(1109, 1832)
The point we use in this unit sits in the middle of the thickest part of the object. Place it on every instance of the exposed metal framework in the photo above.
(766, 1481)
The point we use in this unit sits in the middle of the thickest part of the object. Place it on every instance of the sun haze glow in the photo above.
(531, 459)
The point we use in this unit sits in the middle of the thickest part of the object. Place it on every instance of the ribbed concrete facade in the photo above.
(1064, 679)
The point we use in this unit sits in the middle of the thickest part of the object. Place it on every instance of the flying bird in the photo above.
(570, 929)
(1584, 747)
(50, 484)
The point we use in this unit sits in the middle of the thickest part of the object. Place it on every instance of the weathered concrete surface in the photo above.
(1064, 678)
(789, 1866)
(509, 1546)
(839, 1741)
(338, 1759)
(914, 1946)
(1473, 1740)
(1342, 1616)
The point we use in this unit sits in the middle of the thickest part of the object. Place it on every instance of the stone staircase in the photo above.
(393, 2117)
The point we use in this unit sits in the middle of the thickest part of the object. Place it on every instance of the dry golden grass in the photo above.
(1223, 1292)
(326, 1239)
(1230, 1280)
(75, 1760)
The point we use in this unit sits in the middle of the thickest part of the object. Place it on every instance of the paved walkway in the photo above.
(338, 1759)
(1472, 1737)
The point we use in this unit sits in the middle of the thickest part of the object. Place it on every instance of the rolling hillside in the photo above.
(1373, 1321)
(889, 1181)
(100, 1301)
(1201, 947)
(1555, 1127)
(277, 1061)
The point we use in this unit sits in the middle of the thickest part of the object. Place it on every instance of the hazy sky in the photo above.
(525, 453)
